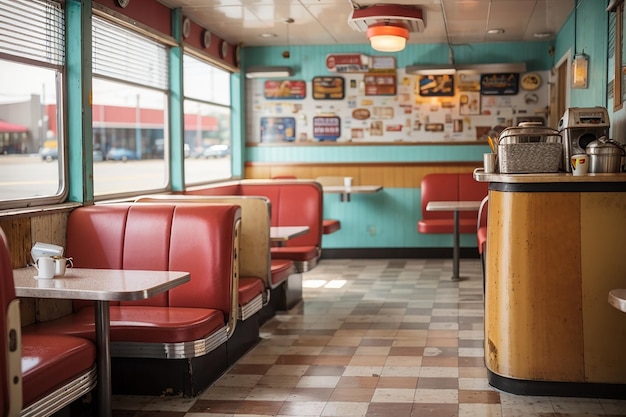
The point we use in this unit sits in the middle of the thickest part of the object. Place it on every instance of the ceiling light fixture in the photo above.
(387, 37)
(269, 72)
(495, 31)
(542, 35)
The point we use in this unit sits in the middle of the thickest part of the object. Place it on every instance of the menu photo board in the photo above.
(278, 129)
(380, 84)
(326, 127)
(284, 89)
(328, 88)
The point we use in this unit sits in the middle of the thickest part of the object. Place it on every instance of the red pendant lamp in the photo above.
(386, 37)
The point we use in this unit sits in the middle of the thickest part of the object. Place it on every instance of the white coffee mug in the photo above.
(579, 164)
(61, 264)
(45, 267)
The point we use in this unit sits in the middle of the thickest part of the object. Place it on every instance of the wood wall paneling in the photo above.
(603, 233)
(533, 315)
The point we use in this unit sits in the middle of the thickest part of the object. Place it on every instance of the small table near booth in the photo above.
(101, 286)
(345, 192)
(455, 207)
(279, 235)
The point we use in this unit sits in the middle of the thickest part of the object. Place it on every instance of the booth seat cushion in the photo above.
(249, 288)
(280, 270)
(146, 324)
(51, 361)
(481, 235)
(330, 226)
(446, 226)
(297, 253)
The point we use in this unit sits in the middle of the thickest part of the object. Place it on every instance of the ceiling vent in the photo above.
(411, 17)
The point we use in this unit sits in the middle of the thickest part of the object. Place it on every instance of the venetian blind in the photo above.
(33, 29)
(121, 54)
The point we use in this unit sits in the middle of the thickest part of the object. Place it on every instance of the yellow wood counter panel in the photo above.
(603, 242)
(389, 175)
(533, 314)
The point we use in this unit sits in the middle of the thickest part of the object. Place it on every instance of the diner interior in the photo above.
(312, 208)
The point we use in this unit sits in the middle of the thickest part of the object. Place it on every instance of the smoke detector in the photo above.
(400, 15)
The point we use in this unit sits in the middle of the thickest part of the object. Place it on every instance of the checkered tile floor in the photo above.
(384, 338)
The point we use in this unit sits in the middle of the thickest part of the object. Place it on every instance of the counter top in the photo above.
(557, 177)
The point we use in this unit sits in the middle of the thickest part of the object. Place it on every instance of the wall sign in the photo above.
(326, 127)
(328, 88)
(499, 84)
(278, 129)
(284, 89)
(436, 85)
(380, 84)
(347, 62)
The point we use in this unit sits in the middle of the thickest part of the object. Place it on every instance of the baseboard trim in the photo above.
(397, 253)
(556, 389)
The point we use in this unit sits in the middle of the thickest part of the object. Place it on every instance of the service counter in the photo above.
(556, 246)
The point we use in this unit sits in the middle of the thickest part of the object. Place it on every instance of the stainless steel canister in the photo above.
(605, 155)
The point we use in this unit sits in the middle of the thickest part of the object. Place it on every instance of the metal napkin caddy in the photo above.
(525, 150)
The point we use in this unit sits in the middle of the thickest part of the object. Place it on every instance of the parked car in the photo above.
(121, 154)
(49, 151)
(217, 151)
(97, 155)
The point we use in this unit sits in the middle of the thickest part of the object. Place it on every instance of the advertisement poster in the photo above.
(499, 84)
(326, 127)
(380, 84)
(436, 85)
(328, 88)
(469, 103)
(278, 129)
(284, 89)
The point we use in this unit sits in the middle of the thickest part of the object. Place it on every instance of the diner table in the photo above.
(345, 192)
(279, 235)
(101, 286)
(617, 298)
(456, 207)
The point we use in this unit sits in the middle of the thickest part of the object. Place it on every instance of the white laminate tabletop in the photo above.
(453, 205)
(617, 298)
(556, 177)
(355, 189)
(97, 284)
(284, 233)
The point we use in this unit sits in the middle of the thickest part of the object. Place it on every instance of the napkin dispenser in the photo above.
(45, 249)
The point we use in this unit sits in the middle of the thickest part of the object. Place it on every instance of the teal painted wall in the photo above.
(388, 219)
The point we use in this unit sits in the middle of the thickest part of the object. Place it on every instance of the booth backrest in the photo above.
(293, 203)
(10, 349)
(451, 187)
(198, 238)
(254, 259)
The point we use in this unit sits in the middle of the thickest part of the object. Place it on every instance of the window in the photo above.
(32, 54)
(207, 121)
(130, 74)
(617, 55)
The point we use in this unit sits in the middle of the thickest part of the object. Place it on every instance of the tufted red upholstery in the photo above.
(48, 362)
(51, 361)
(293, 203)
(197, 238)
(449, 187)
(281, 269)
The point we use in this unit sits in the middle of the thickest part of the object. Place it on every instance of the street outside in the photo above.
(24, 176)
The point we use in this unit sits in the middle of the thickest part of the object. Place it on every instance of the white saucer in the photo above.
(38, 277)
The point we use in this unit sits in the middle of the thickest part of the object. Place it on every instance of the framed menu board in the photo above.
(380, 84)
(499, 84)
(284, 89)
(278, 129)
(326, 127)
(328, 88)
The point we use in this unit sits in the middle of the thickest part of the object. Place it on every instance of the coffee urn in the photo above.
(579, 127)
